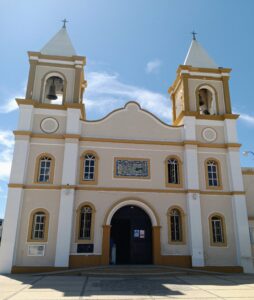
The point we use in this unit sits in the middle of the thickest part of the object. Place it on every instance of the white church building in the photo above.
(128, 188)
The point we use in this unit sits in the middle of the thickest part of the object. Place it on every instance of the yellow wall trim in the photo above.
(124, 141)
(64, 106)
(248, 172)
(122, 189)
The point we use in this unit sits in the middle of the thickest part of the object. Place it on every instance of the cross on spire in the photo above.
(64, 22)
(194, 35)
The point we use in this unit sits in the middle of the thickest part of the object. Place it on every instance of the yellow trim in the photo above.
(186, 96)
(224, 233)
(31, 77)
(16, 185)
(57, 57)
(123, 141)
(120, 189)
(248, 172)
(226, 95)
(180, 172)
(64, 106)
(37, 168)
(30, 226)
(219, 178)
(198, 88)
(132, 159)
(81, 168)
(204, 117)
(182, 226)
(78, 211)
(179, 75)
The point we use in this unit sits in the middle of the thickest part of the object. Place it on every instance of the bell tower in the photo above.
(56, 73)
(201, 88)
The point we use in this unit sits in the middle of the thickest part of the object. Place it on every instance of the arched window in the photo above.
(54, 89)
(85, 223)
(89, 168)
(173, 172)
(217, 230)
(176, 225)
(44, 168)
(38, 226)
(213, 174)
(206, 100)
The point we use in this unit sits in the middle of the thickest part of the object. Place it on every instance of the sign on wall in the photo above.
(131, 167)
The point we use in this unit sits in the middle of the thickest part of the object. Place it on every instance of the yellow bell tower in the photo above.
(201, 88)
(56, 75)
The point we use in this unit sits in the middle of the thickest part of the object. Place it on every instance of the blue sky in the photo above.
(133, 49)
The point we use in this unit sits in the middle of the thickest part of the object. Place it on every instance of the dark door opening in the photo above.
(131, 236)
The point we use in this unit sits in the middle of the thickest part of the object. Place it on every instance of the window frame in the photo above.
(37, 168)
(180, 177)
(30, 237)
(223, 228)
(219, 177)
(82, 166)
(78, 240)
(182, 241)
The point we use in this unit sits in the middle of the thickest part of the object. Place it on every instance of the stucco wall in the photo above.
(33, 199)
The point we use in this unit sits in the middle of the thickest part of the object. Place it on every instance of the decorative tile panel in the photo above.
(132, 168)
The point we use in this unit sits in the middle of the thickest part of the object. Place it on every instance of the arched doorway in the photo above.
(131, 236)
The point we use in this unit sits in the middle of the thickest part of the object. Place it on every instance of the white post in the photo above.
(70, 165)
(15, 194)
(193, 197)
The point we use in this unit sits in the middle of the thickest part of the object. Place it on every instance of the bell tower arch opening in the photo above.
(54, 89)
(206, 100)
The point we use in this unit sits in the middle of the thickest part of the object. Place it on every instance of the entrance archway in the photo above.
(131, 236)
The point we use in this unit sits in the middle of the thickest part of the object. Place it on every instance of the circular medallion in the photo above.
(209, 134)
(49, 125)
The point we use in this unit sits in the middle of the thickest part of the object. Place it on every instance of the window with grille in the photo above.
(217, 229)
(44, 169)
(89, 167)
(173, 171)
(38, 231)
(212, 173)
(85, 223)
(175, 225)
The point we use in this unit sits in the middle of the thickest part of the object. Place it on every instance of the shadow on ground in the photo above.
(190, 285)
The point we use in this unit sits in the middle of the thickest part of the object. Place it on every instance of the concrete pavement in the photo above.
(186, 286)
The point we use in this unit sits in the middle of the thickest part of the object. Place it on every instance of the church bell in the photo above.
(52, 91)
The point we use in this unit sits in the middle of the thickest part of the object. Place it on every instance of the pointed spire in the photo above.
(60, 44)
(197, 56)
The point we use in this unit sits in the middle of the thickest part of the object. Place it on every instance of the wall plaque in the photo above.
(132, 168)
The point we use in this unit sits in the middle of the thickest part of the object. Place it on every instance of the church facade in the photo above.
(128, 188)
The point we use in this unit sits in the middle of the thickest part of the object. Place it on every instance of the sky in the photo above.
(133, 49)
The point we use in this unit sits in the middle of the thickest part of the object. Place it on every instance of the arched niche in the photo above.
(207, 100)
(53, 88)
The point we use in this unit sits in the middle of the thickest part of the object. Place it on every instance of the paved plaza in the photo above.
(110, 287)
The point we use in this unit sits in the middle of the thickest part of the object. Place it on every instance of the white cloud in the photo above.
(106, 92)
(247, 118)
(153, 66)
(9, 106)
(6, 149)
